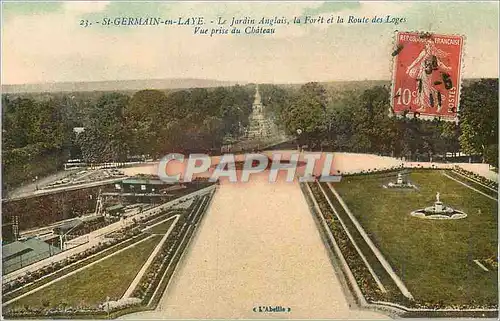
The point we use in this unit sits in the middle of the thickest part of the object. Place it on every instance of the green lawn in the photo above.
(91, 286)
(433, 257)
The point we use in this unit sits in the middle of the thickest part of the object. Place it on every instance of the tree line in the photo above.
(38, 132)
(358, 121)
(154, 123)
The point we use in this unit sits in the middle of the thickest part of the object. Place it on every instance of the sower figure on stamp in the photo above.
(422, 68)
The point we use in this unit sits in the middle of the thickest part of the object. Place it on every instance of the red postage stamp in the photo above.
(427, 75)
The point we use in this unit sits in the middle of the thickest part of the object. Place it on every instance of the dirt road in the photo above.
(257, 246)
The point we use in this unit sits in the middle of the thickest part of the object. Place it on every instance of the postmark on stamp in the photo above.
(426, 76)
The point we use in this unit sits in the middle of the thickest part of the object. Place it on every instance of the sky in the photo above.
(43, 42)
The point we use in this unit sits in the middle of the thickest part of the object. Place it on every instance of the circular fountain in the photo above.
(439, 211)
(400, 183)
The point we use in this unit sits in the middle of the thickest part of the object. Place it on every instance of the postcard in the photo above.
(249, 160)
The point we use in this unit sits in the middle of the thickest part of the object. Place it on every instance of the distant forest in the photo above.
(38, 134)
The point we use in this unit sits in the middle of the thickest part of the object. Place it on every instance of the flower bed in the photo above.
(476, 177)
(151, 278)
(399, 186)
(390, 170)
(67, 312)
(363, 277)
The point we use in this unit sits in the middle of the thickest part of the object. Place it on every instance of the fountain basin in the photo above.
(401, 185)
(439, 212)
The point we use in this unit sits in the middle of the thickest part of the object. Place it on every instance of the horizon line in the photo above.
(245, 82)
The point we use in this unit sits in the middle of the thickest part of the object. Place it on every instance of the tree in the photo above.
(478, 118)
(491, 155)
(341, 114)
(370, 128)
(145, 115)
(275, 99)
(307, 113)
(20, 118)
(105, 139)
(450, 132)
(35, 137)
